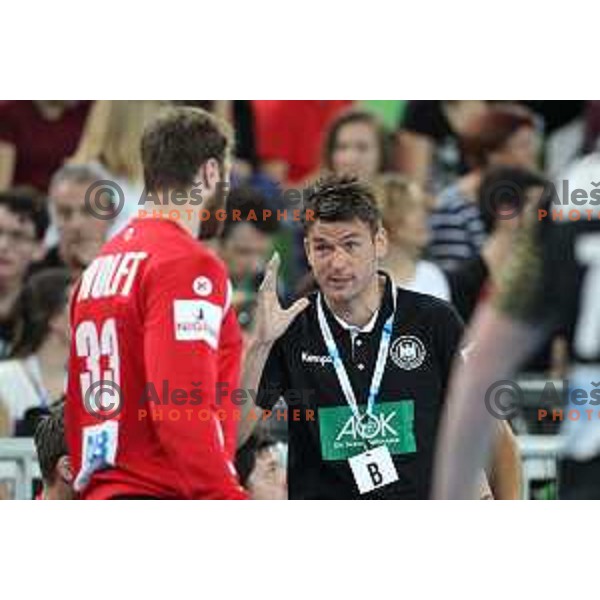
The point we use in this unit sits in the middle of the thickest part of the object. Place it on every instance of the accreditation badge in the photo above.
(373, 469)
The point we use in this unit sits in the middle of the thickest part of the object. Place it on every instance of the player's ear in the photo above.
(381, 243)
(210, 175)
(64, 469)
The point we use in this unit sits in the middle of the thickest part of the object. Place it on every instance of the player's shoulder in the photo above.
(176, 249)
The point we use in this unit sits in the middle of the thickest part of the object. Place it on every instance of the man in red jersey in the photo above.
(154, 337)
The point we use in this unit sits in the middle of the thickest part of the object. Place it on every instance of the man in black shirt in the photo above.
(362, 365)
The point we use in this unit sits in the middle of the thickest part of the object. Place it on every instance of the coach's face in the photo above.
(344, 257)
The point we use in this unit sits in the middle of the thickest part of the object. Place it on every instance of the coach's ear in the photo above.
(381, 243)
(307, 251)
(64, 470)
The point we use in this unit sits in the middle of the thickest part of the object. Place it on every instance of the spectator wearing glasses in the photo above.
(23, 224)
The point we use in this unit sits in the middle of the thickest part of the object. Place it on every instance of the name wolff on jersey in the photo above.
(110, 275)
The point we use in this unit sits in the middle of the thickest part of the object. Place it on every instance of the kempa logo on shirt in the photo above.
(197, 320)
(343, 436)
(315, 358)
(408, 352)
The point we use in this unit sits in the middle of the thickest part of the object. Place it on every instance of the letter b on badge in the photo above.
(376, 476)
(373, 469)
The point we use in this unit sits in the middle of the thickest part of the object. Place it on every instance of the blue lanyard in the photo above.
(338, 363)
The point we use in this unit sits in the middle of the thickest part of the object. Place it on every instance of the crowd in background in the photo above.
(433, 164)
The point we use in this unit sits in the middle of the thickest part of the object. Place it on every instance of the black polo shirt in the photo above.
(322, 430)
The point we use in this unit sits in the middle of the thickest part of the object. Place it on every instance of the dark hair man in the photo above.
(261, 468)
(154, 310)
(53, 456)
(367, 363)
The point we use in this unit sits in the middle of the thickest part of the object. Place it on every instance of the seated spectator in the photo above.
(427, 147)
(80, 232)
(290, 136)
(356, 145)
(260, 468)
(112, 138)
(245, 245)
(502, 189)
(53, 456)
(36, 136)
(404, 211)
(34, 376)
(23, 224)
(505, 135)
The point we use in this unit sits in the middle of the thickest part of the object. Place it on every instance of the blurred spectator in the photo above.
(503, 192)
(5, 425)
(260, 468)
(35, 374)
(80, 232)
(246, 242)
(356, 145)
(575, 138)
(36, 136)
(23, 224)
(53, 456)
(427, 147)
(290, 136)
(112, 138)
(403, 207)
(505, 135)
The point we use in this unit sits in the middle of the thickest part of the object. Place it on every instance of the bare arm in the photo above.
(505, 473)
(499, 346)
(270, 322)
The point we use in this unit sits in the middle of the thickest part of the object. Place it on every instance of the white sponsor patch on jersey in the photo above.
(197, 320)
(202, 286)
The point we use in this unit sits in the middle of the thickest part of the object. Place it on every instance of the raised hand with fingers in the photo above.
(271, 320)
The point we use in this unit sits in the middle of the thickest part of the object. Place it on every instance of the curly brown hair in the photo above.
(178, 141)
